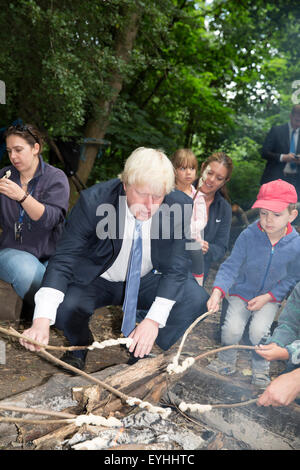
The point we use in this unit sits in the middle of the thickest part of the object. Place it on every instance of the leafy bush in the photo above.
(245, 182)
(248, 168)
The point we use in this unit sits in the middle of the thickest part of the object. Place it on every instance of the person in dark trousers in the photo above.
(281, 150)
(137, 216)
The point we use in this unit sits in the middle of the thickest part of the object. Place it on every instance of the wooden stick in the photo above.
(54, 359)
(32, 421)
(37, 411)
(16, 334)
(95, 345)
(84, 374)
(224, 348)
(235, 405)
(189, 330)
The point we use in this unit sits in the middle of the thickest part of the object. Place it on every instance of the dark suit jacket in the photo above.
(217, 230)
(81, 255)
(276, 143)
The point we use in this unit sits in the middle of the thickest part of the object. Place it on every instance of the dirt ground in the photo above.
(24, 370)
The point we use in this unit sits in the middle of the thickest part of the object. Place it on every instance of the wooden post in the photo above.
(10, 303)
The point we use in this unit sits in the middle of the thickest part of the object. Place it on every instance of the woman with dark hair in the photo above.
(33, 203)
(216, 171)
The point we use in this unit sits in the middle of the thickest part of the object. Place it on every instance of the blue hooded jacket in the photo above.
(255, 267)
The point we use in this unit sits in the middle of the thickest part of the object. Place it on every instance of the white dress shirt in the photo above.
(48, 299)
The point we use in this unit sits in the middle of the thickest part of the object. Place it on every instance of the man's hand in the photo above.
(289, 157)
(213, 302)
(272, 352)
(258, 302)
(144, 336)
(281, 391)
(39, 331)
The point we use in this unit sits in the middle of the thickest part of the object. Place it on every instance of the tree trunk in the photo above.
(97, 126)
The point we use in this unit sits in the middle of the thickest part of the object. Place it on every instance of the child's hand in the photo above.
(205, 246)
(213, 303)
(272, 352)
(258, 302)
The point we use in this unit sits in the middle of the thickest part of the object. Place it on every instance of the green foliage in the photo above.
(201, 75)
(56, 68)
(244, 147)
(245, 182)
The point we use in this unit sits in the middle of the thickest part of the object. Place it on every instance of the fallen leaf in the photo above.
(247, 372)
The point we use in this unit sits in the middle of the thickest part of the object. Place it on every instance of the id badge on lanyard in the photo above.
(19, 224)
(18, 231)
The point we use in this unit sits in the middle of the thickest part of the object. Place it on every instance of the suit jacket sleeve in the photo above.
(74, 244)
(272, 149)
(173, 258)
(229, 269)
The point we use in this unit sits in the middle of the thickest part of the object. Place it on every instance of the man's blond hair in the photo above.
(151, 167)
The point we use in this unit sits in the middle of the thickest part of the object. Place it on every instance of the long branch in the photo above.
(132, 401)
(37, 411)
(6, 419)
(84, 374)
(223, 348)
(190, 328)
(16, 334)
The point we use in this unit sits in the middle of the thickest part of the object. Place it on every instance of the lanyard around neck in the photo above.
(21, 210)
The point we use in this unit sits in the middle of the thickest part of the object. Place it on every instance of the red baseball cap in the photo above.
(275, 196)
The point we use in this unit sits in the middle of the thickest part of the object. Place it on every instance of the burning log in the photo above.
(145, 380)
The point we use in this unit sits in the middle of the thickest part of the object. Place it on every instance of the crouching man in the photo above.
(134, 225)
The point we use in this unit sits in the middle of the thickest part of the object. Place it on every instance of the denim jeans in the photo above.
(23, 271)
(235, 322)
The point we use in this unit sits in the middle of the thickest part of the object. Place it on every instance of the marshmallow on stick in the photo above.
(7, 174)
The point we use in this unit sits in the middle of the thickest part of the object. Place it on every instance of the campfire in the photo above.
(133, 407)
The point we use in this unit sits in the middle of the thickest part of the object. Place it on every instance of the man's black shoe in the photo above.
(76, 361)
(72, 360)
(91, 338)
(133, 360)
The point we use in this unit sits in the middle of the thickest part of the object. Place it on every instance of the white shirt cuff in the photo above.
(47, 301)
(160, 310)
(281, 157)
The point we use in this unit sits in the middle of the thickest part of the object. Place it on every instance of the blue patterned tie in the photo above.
(133, 281)
(293, 149)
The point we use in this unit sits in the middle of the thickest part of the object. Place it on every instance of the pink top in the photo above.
(199, 216)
